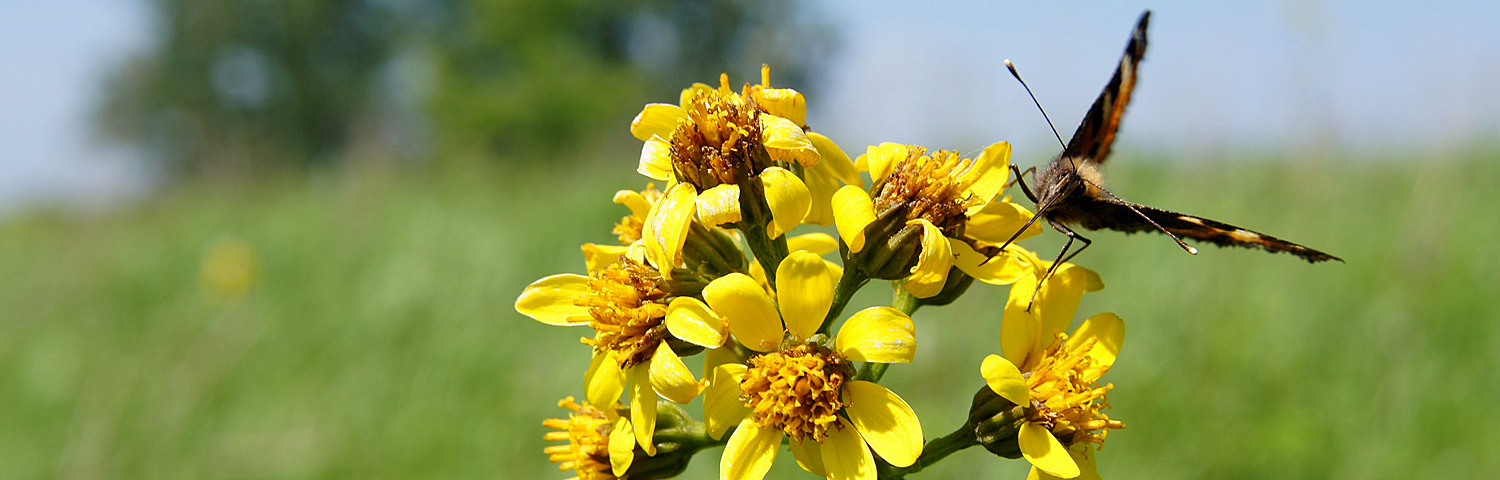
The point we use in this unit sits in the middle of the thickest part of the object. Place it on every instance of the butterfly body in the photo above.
(1069, 190)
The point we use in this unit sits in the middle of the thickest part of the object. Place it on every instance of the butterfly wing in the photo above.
(1096, 134)
(1121, 216)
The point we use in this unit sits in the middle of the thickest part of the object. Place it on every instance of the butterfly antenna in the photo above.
(1014, 73)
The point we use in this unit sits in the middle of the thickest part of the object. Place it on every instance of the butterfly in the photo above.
(1069, 189)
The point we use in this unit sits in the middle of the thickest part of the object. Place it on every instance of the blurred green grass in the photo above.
(380, 340)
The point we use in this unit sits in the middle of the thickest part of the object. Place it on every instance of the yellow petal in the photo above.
(788, 198)
(845, 455)
(638, 204)
(988, 175)
(1002, 269)
(885, 421)
(881, 159)
(599, 257)
(551, 300)
(1005, 379)
(1083, 456)
(1093, 283)
(750, 452)
(998, 220)
(782, 102)
(656, 159)
(820, 187)
(786, 142)
(621, 446)
(603, 383)
(670, 378)
(853, 210)
(931, 271)
(636, 252)
(878, 334)
(758, 273)
(819, 243)
(719, 205)
(1058, 300)
(835, 161)
(643, 407)
(722, 407)
(751, 314)
(1109, 332)
(806, 287)
(687, 93)
(809, 456)
(691, 320)
(657, 119)
(666, 227)
(1019, 329)
(1045, 452)
(1088, 467)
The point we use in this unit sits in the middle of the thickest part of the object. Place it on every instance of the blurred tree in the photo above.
(247, 84)
(241, 86)
(522, 76)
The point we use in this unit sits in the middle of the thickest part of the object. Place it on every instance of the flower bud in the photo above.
(891, 247)
(995, 422)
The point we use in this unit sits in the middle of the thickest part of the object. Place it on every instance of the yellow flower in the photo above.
(626, 304)
(1054, 375)
(719, 142)
(594, 449)
(628, 229)
(939, 201)
(228, 269)
(797, 388)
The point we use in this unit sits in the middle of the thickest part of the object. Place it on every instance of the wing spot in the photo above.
(1243, 235)
(1192, 220)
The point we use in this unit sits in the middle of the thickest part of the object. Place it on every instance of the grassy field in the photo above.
(379, 340)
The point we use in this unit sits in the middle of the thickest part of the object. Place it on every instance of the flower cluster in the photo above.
(732, 259)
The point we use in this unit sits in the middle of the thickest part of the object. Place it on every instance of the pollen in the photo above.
(797, 390)
(586, 431)
(718, 143)
(930, 187)
(628, 307)
(1066, 397)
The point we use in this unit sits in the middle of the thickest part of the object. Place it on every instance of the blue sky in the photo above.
(1219, 77)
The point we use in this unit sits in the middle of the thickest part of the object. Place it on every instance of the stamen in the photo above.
(628, 307)
(797, 390)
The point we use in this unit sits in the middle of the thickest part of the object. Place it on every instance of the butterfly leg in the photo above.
(1027, 191)
(1060, 258)
(1017, 179)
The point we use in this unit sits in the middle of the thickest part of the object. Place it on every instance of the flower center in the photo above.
(628, 307)
(928, 187)
(721, 141)
(1066, 397)
(587, 432)
(796, 390)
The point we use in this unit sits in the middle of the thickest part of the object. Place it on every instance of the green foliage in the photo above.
(525, 76)
(380, 342)
(247, 84)
(239, 87)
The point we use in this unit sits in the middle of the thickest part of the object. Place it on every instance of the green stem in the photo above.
(935, 451)
(768, 251)
(903, 300)
(849, 282)
(872, 371)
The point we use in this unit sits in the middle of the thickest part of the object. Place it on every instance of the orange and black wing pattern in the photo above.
(1118, 215)
(1096, 134)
